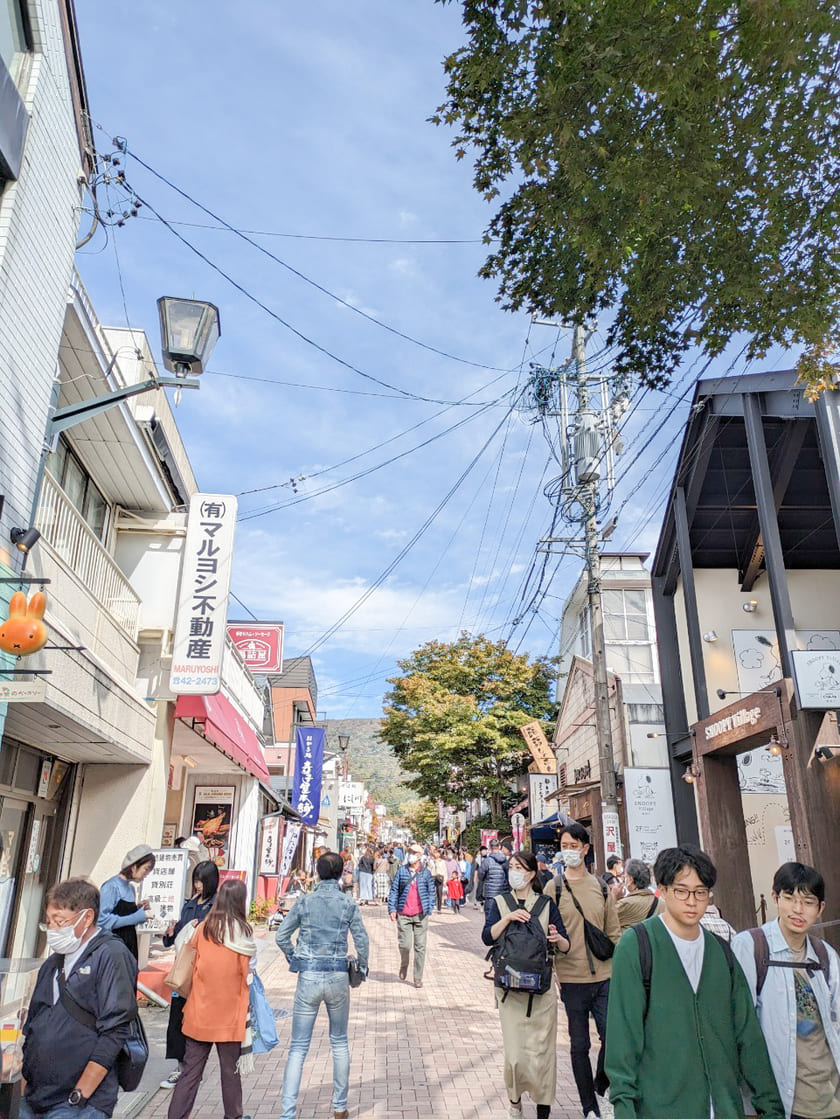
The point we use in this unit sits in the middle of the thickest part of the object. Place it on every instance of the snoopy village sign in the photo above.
(741, 725)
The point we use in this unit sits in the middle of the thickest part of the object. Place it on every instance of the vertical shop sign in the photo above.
(540, 785)
(268, 846)
(201, 619)
(213, 819)
(163, 888)
(309, 761)
(650, 812)
(290, 842)
(612, 836)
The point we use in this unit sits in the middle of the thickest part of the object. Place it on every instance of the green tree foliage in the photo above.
(421, 816)
(678, 160)
(453, 717)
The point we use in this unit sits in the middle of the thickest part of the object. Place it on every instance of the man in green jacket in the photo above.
(682, 1047)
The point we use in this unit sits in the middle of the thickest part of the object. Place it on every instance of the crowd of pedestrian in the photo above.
(692, 1020)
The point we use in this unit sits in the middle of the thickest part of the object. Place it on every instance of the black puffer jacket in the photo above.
(493, 875)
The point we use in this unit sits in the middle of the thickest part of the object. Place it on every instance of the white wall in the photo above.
(149, 552)
(38, 228)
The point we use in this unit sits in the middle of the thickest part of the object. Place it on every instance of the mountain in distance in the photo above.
(371, 760)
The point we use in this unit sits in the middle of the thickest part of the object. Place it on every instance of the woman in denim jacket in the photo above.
(322, 919)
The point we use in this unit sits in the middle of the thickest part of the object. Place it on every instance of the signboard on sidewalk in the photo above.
(540, 786)
(290, 842)
(163, 888)
(650, 812)
(260, 643)
(201, 617)
(545, 760)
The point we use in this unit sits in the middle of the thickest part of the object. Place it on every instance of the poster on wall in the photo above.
(269, 844)
(760, 772)
(213, 818)
(163, 888)
(757, 654)
(650, 812)
(540, 785)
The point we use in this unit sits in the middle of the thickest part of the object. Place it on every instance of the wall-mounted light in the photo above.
(750, 607)
(24, 539)
(189, 329)
(775, 746)
(826, 753)
(191, 762)
(692, 772)
(710, 636)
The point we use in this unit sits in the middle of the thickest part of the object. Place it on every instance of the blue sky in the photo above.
(311, 120)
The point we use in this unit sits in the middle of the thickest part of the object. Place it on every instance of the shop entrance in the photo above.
(813, 792)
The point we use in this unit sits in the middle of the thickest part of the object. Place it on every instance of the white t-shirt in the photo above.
(690, 953)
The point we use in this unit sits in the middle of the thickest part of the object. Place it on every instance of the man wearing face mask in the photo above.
(411, 900)
(583, 977)
(89, 975)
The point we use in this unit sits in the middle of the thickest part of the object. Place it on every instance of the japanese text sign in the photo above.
(201, 619)
(541, 751)
(260, 643)
(309, 760)
(269, 845)
(163, 888)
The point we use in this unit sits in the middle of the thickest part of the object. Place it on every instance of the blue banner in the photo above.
(309, 762)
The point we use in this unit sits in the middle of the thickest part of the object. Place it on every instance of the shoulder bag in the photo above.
(597, 943)
(180, 975)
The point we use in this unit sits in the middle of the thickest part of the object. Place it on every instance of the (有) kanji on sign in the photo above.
(201, 620)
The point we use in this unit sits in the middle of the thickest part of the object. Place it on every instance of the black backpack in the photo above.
(521, 956)
(646, 959)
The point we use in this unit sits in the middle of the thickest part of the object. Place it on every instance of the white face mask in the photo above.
(518, 879)
(65, 941)
(571, 857)
(412, 860)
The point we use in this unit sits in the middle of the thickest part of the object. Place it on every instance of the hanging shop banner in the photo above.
(290, 842)
(540, 786)
(268, 844)
(260, 643)
(650, 812)
(309, 761)
(213, 819)
(544, 757)
(200, 621)
(488, 834)
(612, 835)
(163, 888)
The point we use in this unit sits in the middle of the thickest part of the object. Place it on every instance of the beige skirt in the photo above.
(530, 1045)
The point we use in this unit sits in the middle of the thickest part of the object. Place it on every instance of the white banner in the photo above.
(351, 794)
(650, 812)
(201, 619)
(163, 888)
(290, 842)
(539, 786)
(268, 847)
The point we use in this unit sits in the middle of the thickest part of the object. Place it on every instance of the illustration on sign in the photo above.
(817, 677)
(757, 654)
(650, 812)
(760, 772)
(212, 819)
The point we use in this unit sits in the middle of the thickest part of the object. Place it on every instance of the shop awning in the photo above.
(226, 729)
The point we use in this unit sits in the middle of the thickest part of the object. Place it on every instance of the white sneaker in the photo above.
(606, 1108)
(171, 1080)
(590, 1115)
(514, 1112)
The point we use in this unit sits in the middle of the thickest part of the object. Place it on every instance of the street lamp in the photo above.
(189, 329)
(344, 745)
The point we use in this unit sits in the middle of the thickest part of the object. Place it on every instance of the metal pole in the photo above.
(603, 722)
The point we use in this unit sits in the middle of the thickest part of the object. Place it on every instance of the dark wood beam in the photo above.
(781, 469)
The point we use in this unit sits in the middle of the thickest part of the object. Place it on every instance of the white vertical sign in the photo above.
(539, 787)
(612, 836)
(201, 620)
(650, 812)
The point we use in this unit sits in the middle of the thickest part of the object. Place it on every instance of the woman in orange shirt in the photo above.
(217, 1005)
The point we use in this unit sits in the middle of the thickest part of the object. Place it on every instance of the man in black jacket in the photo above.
(493, 873)
(68, 1066)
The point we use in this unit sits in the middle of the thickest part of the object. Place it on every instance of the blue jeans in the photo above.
(61, 1111)
(313, 988)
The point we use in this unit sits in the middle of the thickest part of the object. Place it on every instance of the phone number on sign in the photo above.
(187, 681)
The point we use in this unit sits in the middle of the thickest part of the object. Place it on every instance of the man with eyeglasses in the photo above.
(682, 1033)
(795, 979)
(84, 1001)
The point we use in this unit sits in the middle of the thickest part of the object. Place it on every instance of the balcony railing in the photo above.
(65, 530)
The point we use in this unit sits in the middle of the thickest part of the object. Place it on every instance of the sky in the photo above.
(308, 124)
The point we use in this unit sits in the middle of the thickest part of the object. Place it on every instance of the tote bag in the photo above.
(180, 975)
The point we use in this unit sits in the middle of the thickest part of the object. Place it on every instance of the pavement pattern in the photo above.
(415, 1053)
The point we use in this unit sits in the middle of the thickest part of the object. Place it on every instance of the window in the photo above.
(13, 42)
(78, 485)
(628, 635)
(625, 616)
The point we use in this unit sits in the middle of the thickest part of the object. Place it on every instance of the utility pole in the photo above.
(587, 457)
(587, 408)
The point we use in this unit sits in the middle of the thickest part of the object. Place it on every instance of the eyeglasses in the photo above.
(805, 900)
(682, 893)
(71, 923)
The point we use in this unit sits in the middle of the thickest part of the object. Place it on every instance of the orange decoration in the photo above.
(24, 631)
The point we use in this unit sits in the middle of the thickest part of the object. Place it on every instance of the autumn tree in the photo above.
(677, 162)
(452, 718)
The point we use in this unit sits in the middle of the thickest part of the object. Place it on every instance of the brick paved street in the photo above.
(415, 1053)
